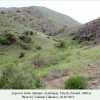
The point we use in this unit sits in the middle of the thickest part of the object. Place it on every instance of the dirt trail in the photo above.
(57, 83)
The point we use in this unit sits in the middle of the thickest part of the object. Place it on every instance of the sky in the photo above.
(82, 11)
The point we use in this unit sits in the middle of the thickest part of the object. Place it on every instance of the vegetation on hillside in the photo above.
(76, 82)
(89, 32)
(32, 53)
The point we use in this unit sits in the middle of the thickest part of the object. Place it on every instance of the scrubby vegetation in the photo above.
(25, 39)
(13, 78)
(34, 46)
(61, 44)
(28, 33)
(76, 82)
(4, 41)
(22, 54)
(38, 47)
(10, 36)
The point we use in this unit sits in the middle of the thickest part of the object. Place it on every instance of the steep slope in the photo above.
(67, 32)
(40, 19)
(90, 32)
(9, 25)
(19, 54)
(70, 22)
(32, 18)
(25, 37)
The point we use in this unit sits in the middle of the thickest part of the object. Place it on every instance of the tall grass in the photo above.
(14, 78)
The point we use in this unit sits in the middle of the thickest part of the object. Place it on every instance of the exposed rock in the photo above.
(90, 32)
(94, 82)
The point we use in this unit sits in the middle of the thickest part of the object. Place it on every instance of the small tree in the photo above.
(25, 39)
(2, 12)
(31, 32)
(61, 44)
(4, 41)
(11, 37)
(38, 47)
(22, 54)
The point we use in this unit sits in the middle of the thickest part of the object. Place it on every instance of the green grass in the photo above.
(80, 59)
(72, 61)
(76, 61)
(77, 58)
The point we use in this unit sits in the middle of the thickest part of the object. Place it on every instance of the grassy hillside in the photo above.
(70, 22)
(30, 59)
(10, 25)
(67, 32)
(18, 46)
(32, 18)
(40, 19)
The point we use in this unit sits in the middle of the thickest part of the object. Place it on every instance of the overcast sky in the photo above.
(82, 11)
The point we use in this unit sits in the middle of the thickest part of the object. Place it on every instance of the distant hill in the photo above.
(68, 32)
(40, 19)
(2, 8)
(7, 9)
(70, 22)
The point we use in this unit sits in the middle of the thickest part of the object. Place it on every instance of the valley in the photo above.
(40, 50)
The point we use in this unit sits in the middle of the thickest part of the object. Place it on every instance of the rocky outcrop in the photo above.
(90, 31)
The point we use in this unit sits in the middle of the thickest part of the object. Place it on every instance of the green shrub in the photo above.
(4, 41)
(61, 44)
(55, 40)
(38, 47)
(76, 82)
(38, 82)
(25, 39)
(10, 36)
(6, 76)
(2, 53)
(14, 78)
(28, 33)
(22, 54)
(31, 32)
(48, 37)
(65, 26)
(3, 12)
(50, 34)
(30, 19)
